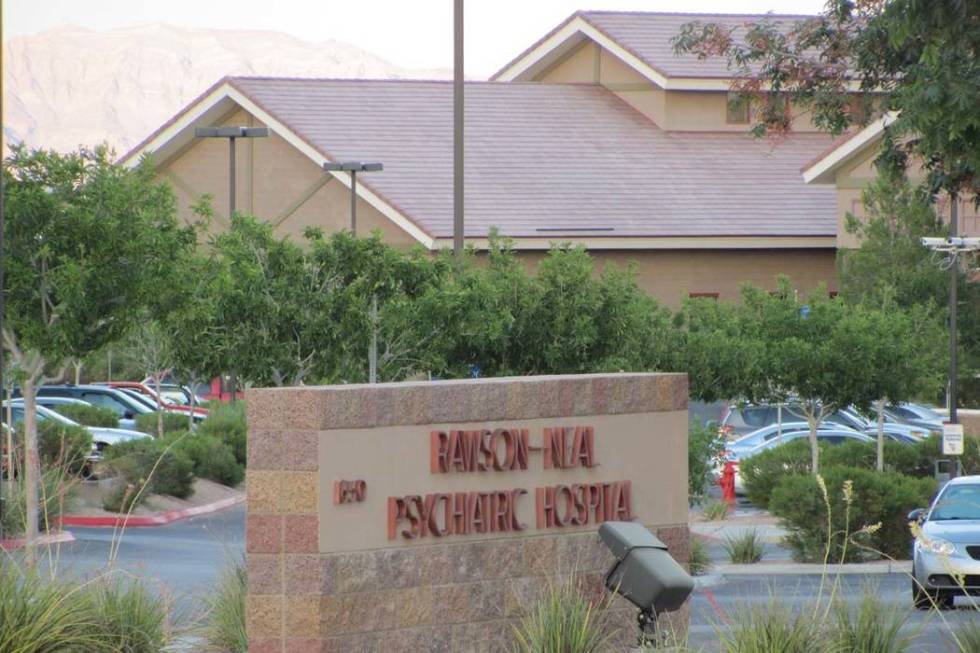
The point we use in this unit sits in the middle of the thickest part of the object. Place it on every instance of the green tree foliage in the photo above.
(88, 245)
(915, 59)
(89, 415)
(704, 447)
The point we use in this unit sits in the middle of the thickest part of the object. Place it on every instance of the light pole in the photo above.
(353, 167)
(232, 134)
(954, 246)
(458, 224)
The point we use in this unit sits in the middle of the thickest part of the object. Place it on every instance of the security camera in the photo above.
(644, 574)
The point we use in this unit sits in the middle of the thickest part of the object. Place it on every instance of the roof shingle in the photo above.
(548, 160)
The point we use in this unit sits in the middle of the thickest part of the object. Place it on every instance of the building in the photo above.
(596, 134)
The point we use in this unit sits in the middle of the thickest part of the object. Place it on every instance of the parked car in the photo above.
(122, 404)
(830, 434)
(916, 415)
(171, 397)
(949, 545)
(101, 436)
(175, 393)
(742, 420)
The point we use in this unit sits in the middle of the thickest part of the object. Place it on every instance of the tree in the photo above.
(88, 245)
(913, 59)
(151, 347)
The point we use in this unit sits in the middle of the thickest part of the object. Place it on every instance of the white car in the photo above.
(946, 558)
(101, 436)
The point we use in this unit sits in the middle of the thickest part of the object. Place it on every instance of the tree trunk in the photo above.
(32, 467)
(78, 371)
(9, 492)
(156, 388)
(880, 408)
(190, 417)
(814, 446)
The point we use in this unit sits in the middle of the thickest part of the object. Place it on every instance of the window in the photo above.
(738, 110)
(708, 295)
(105, 401)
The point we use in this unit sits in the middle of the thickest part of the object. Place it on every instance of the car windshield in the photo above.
(957, 502)
(174, 396)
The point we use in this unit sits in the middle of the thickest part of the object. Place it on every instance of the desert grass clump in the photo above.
(772, 628)
(698, 561)
(41, 615)
(566, 620)
(966, 636)
(715, 510)
(744, 549)
(875, 628)
(127, 616)
(224, 629)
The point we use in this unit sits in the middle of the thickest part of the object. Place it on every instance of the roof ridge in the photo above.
(397, 80)
(690, 13)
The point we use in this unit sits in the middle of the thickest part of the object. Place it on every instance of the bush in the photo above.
(88, 415)
(923, 456)
(168, 469)
(225, 626)
(698, 561)
(771, 628)
(876, 498)
(715, 510)
(212, 458)
(227, 423)
(57, 493)
(704, 447)
(565, 620)
(63, 446)
(172, 422)
(123, 498)
(763, 471)
(875, 628)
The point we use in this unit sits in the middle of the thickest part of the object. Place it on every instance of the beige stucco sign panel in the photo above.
(394, 463)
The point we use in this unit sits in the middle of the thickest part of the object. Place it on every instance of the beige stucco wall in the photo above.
(671, 275)
(275, 181)
(671, 110)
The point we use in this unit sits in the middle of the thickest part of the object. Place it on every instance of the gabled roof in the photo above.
(823, 168)
(543, 162)
(642, 40)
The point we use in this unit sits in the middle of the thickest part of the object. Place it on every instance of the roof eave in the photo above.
(824, 169)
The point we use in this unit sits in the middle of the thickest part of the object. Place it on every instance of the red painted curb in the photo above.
(156, 519)
(18, 542)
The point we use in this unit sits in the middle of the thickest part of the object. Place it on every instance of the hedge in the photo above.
(63, 447)
(172, 422)
(877, 498)
(88, 415)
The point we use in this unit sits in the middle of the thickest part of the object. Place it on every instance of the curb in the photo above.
(804, 569)
(156, 519)
(18, 542)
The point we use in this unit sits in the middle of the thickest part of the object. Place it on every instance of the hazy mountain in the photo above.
(70, 86)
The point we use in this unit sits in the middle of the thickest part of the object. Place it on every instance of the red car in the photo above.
(149, 393)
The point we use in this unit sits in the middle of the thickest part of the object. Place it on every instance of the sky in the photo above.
(409, 33)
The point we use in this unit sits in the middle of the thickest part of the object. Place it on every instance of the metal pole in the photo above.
(373, 354)
(953, 282)
(353, 202)
(231, 213)
(10, 454)
(457, 126)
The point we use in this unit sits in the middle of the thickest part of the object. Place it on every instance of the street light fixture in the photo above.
(353, 167)
(232, 134)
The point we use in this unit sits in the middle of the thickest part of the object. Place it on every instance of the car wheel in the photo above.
(921, 598)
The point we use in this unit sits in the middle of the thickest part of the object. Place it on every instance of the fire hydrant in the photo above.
(727, 482)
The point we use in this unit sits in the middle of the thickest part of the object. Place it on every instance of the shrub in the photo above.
(168, 470)
(698, 561)
(875, 498)
(966, 636)
(123, 498)
(57, 494)
(744, 549)
(212, 458)
(88, 415)
(565, 619)
(127, 616)
(225, 626)
(923, 455)
(704, 446)
(63, 446)
(763, 471)
(172, 422)
(227, 423)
